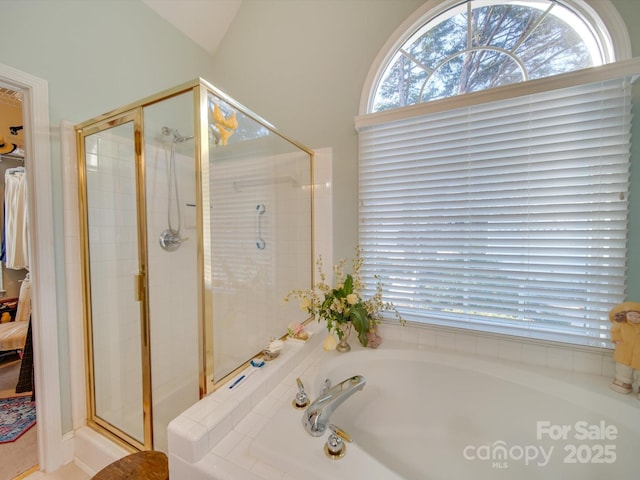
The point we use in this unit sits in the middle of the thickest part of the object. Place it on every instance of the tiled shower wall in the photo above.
(260, 249)
(172, 277)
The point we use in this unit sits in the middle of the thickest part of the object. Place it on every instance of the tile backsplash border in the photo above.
(541, 353)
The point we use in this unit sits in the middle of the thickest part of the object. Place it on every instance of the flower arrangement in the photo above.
(342, 306)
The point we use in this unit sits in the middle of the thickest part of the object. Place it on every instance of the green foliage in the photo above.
(342, 306)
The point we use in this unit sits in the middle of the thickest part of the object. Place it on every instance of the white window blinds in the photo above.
(508, 217)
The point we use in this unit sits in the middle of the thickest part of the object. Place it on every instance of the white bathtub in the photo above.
(432, 415)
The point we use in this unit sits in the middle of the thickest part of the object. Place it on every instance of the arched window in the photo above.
(494, 167)
(479, 44)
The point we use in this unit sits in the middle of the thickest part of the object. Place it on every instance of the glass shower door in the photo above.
(115, 286)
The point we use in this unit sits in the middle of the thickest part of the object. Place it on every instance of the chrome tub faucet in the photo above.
(316, 417)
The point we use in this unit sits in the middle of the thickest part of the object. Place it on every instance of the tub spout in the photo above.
(316, 417)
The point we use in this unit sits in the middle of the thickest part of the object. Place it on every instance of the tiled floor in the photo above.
(67, 472)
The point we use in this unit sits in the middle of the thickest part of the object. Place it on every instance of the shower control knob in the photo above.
(170, 240)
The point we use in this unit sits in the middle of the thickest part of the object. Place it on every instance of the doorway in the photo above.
(20, 446)
(53, 448)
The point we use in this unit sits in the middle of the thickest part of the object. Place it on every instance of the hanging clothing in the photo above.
(15, 220)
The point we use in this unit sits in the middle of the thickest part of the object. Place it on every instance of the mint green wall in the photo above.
(96, 55)
(302, 65)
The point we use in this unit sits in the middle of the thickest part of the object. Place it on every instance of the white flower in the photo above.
(329, 343)
(336, 306)
(352, 299)
(305, 303)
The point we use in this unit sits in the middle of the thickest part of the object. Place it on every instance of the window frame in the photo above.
(601, 15)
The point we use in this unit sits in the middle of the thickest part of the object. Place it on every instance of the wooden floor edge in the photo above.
(24, 475)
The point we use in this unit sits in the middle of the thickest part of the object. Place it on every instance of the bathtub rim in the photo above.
(582, 389)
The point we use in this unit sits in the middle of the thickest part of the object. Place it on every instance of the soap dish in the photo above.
(269, 355)
(272, 350)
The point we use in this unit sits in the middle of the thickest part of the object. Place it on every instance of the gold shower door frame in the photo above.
(139, 281)
(134, 113)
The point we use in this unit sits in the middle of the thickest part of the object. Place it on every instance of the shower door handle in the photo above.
(138, 287)
(260, 243)
(139, 293)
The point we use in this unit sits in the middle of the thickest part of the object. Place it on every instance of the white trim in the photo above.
(54, 450)
(323, 207)
(73, 274)
(602, 13)
(94, 451)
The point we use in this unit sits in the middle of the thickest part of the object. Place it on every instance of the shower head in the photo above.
(177, 138)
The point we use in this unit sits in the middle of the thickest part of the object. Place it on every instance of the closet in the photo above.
(15, 309)
(12, 166)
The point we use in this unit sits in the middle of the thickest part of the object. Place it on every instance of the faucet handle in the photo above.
(335, 447)
(326, 386)
(341, 433)
(302, 399)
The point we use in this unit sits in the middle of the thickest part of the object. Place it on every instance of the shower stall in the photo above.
(196, 220)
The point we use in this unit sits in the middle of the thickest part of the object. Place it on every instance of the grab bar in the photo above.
(260, 243)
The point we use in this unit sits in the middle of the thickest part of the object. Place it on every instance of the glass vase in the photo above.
(343, 346)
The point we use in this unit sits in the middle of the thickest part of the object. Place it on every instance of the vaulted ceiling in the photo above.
(203, 21)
